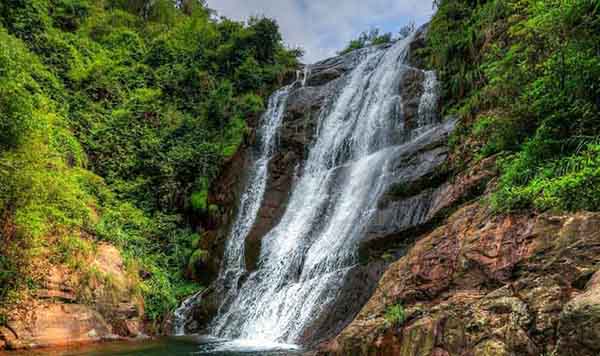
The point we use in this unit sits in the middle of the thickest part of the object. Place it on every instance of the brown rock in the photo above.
(66, 296)
(6, 336)
(59, 284)
(78, 307)
(59, 324)
(108, 260)
(128, 327)
(579, 328)
(488, 285)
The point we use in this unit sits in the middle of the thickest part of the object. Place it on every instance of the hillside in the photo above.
(115, 117)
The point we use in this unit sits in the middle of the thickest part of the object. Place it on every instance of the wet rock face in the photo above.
(226, 194)
(412, 90)
(298, 131)
(297, 134)
(425, 195)
(484, 284)
(357, 287)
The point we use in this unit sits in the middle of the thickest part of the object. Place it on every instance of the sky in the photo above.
(323, 27)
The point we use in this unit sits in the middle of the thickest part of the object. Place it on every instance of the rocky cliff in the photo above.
(466, 281)
(75, 308)
(485, 284)
(420, 196)
(470, 281)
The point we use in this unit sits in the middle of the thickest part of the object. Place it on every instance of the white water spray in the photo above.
(305, 258)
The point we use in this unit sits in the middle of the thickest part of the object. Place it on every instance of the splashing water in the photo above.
(305, 258)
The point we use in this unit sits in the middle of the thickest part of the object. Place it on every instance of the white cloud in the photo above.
(322, 27)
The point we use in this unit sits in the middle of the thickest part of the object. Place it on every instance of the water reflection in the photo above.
(174, 346)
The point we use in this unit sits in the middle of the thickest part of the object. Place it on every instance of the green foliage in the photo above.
(524, 75)
(72, 251)
(26, 19)
(395, 315)
(115, 117)
(570, 183)
(70, 14)
(249, 76)
(199, 198)
(497, 134)
(367, 38)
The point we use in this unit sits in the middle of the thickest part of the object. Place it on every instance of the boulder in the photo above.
(58, 325)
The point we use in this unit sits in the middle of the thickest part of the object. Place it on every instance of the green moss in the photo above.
(395, 315)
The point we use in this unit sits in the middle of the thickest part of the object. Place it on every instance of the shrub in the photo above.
(523, 76)
(395, 315)
(367, 38)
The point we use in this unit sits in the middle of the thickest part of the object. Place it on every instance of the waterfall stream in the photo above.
(233, 268)
(305, 258)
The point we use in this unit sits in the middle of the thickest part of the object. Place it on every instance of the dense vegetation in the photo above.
(115, 117)
(524, 75)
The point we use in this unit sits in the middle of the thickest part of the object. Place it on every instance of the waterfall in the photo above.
(429, 99)
(255, 189)
(233, 268)
(305, 258)
(182, 314)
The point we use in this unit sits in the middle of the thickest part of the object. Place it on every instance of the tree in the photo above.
(367, 38)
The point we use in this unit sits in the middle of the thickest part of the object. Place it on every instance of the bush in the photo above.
(523, 76)
(367, 38)
(395, 315)
(70, 14)
(26, 19)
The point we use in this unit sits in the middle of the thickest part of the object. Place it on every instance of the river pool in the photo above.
(172, 346)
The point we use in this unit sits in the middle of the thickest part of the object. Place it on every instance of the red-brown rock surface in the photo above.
(74, 307)
(488, 285)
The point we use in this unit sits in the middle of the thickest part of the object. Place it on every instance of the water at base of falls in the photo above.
(306, 257)
(171, 346)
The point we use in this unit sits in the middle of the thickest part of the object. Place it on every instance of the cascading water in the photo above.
(427, 113)
(305, 258)
(252, 198)
(233, 263)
